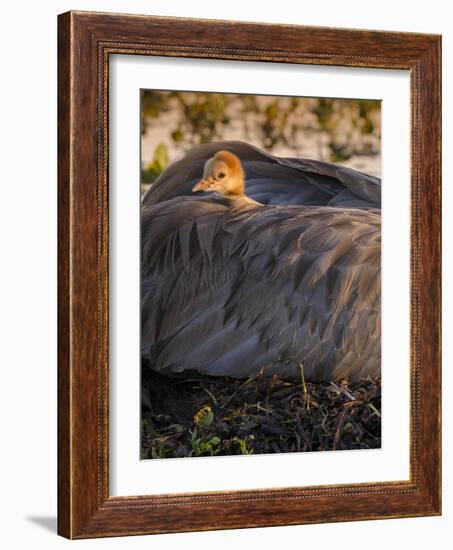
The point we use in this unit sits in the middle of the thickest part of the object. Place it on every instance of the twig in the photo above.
(211, 395)
(304, 386)
(343, 390)
(241, 387)
(373, 408)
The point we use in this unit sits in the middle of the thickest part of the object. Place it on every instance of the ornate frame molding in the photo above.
(86, 40)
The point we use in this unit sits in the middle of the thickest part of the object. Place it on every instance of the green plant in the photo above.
(242, 443)
(157, 165)
(204, 447)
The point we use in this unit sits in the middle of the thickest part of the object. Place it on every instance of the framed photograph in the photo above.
(249, 275)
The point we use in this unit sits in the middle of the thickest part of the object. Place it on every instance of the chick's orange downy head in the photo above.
(223, 173)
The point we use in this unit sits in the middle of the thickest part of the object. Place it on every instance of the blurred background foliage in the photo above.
(346, 131)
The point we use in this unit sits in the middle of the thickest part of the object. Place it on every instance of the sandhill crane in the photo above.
(276, 267)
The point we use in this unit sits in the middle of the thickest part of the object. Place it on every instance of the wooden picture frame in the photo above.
(85, 42)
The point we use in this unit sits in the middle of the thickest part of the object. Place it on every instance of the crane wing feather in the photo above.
(234, 292)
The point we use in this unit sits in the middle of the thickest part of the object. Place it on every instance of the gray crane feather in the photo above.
(236, 291)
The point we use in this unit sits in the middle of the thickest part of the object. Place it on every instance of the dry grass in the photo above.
(196, 415)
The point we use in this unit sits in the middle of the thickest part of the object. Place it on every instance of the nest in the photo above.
(191, 415)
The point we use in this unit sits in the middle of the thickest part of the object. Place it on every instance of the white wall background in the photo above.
(28, 122)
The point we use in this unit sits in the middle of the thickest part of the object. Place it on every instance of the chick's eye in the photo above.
(221, 175)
